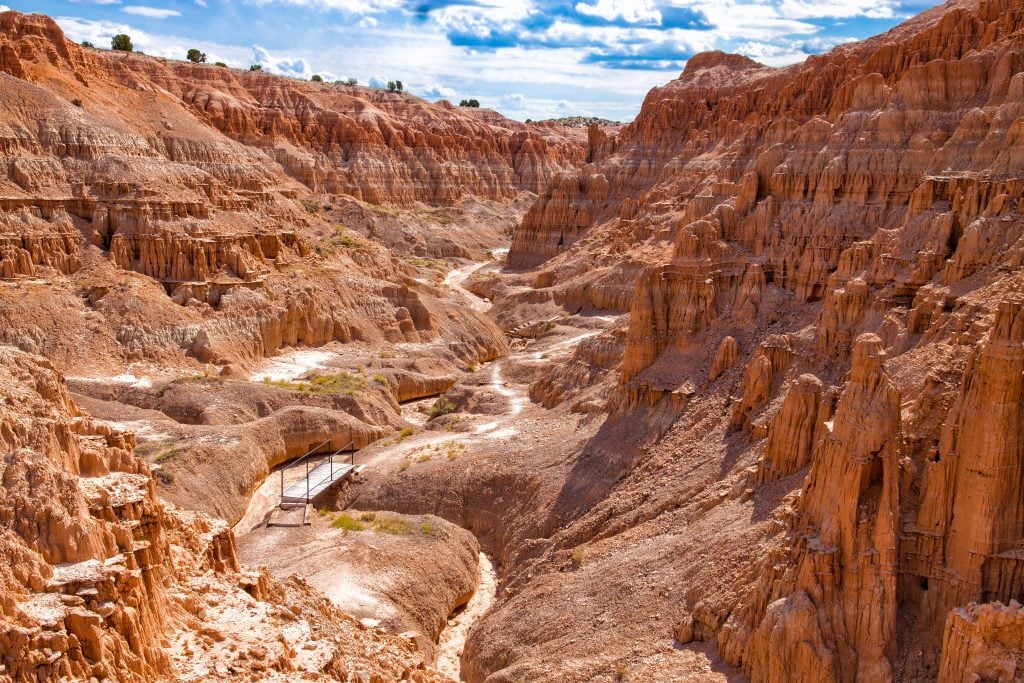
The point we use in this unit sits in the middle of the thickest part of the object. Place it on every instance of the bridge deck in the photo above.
(316, 482)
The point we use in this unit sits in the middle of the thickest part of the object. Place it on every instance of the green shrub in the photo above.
(317, 78)
(164, 477)
(338, 383)
(195, 56)
(348, 523)
(426, 528)
(121, 42)
(469, 103)
(406, 433)
(256, 67)
(86, 43)
(442, 406)
(220, 64)
(392, 525)
(352, 81)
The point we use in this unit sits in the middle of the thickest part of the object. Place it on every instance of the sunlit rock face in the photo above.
(833, 250)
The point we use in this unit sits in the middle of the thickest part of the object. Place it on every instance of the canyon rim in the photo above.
(314, 381)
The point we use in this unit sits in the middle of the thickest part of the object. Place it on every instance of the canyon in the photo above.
(733, 392)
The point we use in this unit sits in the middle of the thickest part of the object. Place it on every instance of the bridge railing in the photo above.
(350, 447)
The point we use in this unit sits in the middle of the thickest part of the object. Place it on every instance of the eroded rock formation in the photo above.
(102, 580)
(844, 233)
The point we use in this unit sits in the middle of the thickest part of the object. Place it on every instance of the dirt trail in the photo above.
(401, 452)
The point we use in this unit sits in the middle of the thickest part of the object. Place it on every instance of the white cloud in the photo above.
(632, 11)
(820, 9)
(524, 64)
(4, 8)
(514, 102)
(357, 7)
(434, 91)
(296, 67)
(98, 2)
(150, 12)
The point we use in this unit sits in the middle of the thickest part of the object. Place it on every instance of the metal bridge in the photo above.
(319, 478)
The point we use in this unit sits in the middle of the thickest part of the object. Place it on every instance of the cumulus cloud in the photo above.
(632, 11)
(514, 102)
(434, 91)
(355, 7)
(98, 2)
(838, 9)
(296, 67)
(529, 58)
(377, 82)
(4, 8)
(150, 12)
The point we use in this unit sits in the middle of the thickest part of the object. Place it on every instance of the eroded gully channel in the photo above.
(350, 593)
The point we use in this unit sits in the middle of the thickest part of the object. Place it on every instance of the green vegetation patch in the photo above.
(340, 238)
(442, 406)
(159, 451)
(372, 521)
(339, 383)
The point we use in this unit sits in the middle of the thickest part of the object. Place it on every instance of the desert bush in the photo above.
(442, 406)
(195, 56)
(317, 78)
(256, 67)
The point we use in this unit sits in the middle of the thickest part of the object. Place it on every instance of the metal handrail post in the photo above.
(307, 482)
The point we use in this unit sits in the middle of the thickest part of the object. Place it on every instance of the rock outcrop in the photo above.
(331, 138)
(843, 234)
(226, 190)
(846, 560)
(102, 580)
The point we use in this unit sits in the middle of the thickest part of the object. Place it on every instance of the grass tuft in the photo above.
(347, 522)
(339, 383)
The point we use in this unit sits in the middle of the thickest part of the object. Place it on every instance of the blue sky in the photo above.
(528, 59)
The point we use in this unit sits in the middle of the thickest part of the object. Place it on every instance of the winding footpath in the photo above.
(392, 452)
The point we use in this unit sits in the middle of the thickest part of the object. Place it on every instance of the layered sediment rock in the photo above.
(227, 190)
(102, 580)
(851, 224)
(983, 642)
(794, 430)
(333, 139)
(845, 563)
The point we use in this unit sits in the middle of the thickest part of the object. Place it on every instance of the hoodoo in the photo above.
(744, 401)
